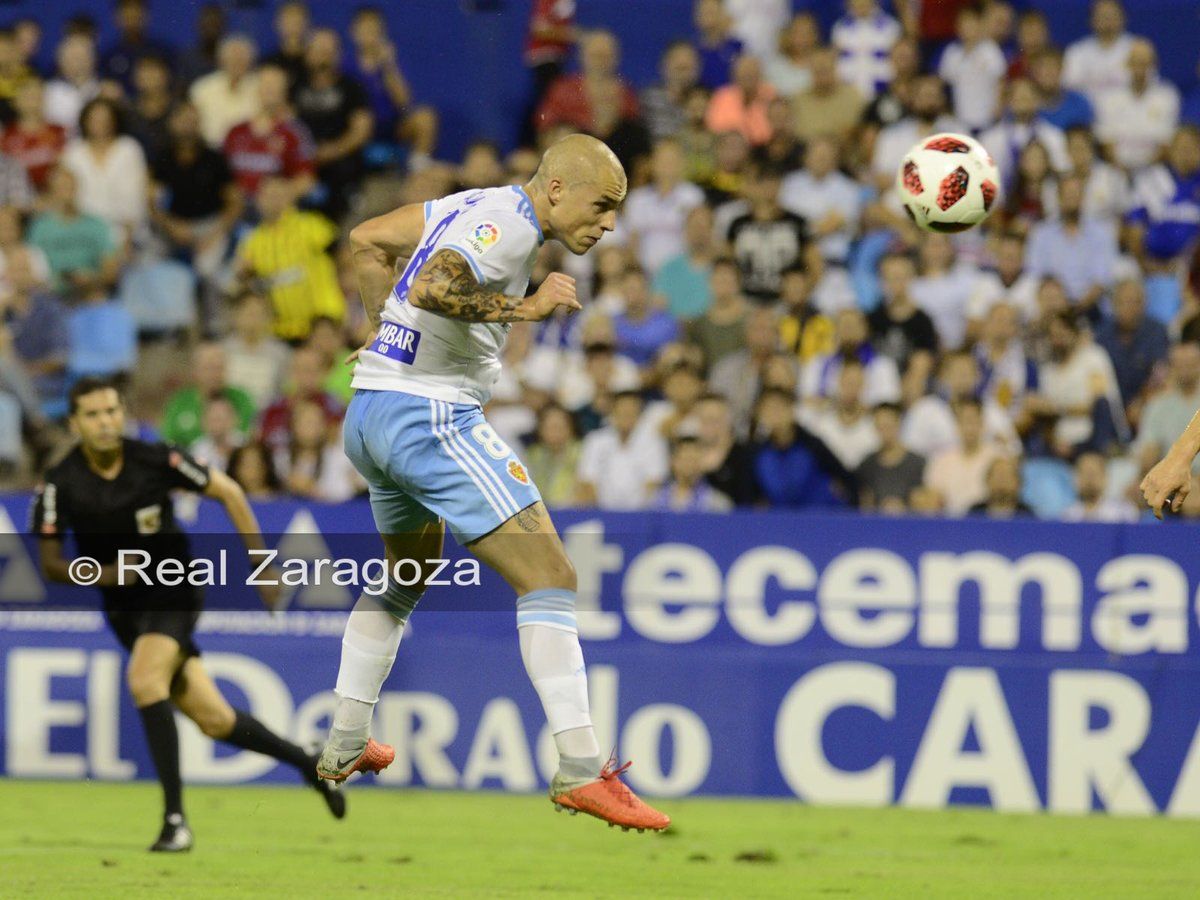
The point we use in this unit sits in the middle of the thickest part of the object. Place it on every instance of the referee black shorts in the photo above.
(173, 614)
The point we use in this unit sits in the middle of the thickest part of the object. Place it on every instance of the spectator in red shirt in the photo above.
(547, 46)
(273, 143)
(1033, 38)
(31, 140)
(306, 374)
(571, 100)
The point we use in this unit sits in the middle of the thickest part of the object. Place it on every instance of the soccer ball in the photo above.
(948, 183)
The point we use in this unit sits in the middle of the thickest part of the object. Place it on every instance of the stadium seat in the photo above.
(102, 340)
(160, 296)
(1047, 487)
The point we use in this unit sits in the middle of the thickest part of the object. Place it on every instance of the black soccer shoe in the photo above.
(175, 837)
(330, 791)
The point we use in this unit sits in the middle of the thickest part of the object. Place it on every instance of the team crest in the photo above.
(517, 472)
(484, 236)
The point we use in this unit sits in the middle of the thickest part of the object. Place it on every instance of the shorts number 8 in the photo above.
(487, 437)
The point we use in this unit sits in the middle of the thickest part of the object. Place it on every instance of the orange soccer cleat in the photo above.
(338, 765)
(610, 799)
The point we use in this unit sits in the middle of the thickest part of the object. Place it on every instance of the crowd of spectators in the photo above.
(765, 328)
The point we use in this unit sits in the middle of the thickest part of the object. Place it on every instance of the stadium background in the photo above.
(1127, 699)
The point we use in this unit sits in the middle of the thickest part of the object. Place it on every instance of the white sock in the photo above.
(369, 648)
(554, 661)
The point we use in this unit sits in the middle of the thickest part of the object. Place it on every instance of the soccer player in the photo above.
(113, 494)
(415, 430)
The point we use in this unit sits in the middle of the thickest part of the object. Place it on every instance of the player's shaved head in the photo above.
(576, 191)
(580, 159)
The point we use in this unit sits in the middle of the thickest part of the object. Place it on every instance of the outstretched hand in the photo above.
(1172, 477)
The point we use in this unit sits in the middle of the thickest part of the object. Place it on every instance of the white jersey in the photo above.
(423, 353)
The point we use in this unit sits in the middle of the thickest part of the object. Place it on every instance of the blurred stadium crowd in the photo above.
(766, 328)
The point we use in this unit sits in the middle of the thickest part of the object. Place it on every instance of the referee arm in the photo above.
(1172, 477)
(223, 488)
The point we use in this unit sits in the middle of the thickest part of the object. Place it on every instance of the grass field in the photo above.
(88, 840)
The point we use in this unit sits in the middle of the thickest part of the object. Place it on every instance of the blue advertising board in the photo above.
(835, 658)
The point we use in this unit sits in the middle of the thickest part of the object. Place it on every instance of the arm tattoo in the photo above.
(447, 286)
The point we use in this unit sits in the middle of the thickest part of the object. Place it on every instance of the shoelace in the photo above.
(609, 774)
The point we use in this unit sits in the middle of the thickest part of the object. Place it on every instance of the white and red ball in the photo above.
(948, 183)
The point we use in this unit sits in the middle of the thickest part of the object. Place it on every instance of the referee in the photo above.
(114, 493)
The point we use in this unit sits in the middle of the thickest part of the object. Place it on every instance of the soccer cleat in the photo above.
(175, 836)
(334, 798)
(608, 798)
(338, 764)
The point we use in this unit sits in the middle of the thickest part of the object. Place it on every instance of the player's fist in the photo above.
(1170, 478)
(557, 290)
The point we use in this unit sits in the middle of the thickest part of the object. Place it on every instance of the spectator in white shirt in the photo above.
(827, 199)
(789, 70)
(959, 474)
(257, 359)
(228, 96)
(844, 424)
(1137, 120)
(1078, 399)
(1107, 194)
(851, 337)
(110, 168)
(622, 466)
(1021, 127)
(928, 427)
(1007, 374)
(863, 38)
(973, 66)
(75, 85)
(927, 116)
(1091, 489)
(1096, 64)
(757, 23)
(942, 289)
(1008, 283)
(655, 213)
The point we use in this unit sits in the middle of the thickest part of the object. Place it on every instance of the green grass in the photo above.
(88, 840)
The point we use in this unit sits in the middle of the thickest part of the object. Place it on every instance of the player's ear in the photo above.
(555, 190)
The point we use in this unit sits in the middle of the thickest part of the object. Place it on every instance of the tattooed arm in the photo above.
(377, 245)
(447, 286)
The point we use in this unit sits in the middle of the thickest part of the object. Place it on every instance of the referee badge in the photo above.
(149, 519)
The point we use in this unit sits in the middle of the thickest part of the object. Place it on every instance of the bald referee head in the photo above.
(577, 189)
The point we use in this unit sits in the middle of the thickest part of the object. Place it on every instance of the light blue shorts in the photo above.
(426, 459)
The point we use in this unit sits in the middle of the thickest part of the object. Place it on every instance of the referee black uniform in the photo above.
(133, 511)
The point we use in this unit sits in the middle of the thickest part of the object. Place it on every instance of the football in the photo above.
(948, 183)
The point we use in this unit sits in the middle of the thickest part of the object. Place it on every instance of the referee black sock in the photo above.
(159, 721)
(251, 734)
